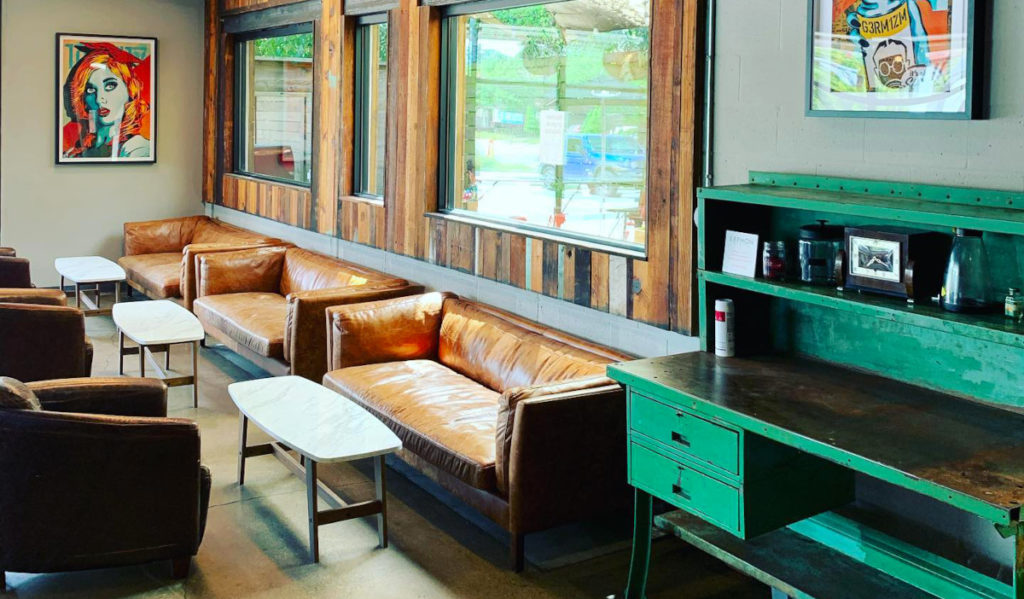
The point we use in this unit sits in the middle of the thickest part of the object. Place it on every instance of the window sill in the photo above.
(594, 246)
(268, 180)
(372, 201)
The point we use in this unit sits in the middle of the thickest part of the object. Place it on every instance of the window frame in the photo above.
(447, 137)
(240, 107)
(360, 135)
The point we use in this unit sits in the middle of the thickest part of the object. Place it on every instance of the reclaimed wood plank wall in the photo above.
(657, 290)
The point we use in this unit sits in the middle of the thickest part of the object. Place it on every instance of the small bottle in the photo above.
(725, 329)
(773, 260)
(1014, 306)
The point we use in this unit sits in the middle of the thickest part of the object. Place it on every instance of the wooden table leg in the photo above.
(642, 520)
(120, 352)
(311, 500)
(243, 426)
(195, 373)
(379, 473)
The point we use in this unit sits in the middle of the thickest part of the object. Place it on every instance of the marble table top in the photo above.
(313, 420)
(157, 322)
(89, 269)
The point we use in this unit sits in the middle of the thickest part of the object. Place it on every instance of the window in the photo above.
(371, 104)
(274, 119)
(544, 120)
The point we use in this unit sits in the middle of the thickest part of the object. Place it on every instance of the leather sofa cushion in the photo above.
(159, 274)
(440, 415)
(500, 352)
(210, 231)
(254, 319)
(308, 271)
(16, 395)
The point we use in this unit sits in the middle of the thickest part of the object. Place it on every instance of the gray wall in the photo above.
(48, 211)
(760, 122)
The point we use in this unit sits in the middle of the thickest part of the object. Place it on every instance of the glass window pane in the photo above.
(277, 107)
(373, 89)
(548, 111)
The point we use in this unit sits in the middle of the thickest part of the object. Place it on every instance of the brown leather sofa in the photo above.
(516, 419)
(160, 255)
(95, 475)
(42, 338)
(268, 304)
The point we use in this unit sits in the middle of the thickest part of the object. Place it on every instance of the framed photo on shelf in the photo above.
(896, 58)
(106, 99)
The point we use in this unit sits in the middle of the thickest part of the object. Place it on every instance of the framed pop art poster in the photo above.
(895, 58)
(106, 99)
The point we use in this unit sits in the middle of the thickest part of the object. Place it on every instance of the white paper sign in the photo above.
(740, 254)
(552, 137)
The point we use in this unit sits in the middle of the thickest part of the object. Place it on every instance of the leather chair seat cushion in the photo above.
(16, 395)
(253, 319)
(159, 274)
(445, 418)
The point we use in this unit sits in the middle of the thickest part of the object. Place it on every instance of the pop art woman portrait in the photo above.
(106, 99)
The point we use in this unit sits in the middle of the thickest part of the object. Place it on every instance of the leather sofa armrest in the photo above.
(190, 266)
(8, 251)
(111, 396)
(159, 236)
(254, 269)
(143, 474)
(307, 329)
(405, 328)
(15, 272)
(42, 342)
(567, 457)
(43, 297)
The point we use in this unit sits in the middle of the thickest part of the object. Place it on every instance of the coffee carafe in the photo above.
(965, 287)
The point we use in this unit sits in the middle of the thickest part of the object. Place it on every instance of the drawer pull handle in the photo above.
(677, 490)
(681, 440)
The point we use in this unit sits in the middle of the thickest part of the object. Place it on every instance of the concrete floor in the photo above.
(256, 546)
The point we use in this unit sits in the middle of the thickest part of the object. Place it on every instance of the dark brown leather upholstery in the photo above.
(99, 478)
(14, 272)
(273, 301)
(160, 255)
(42, 342)
(500, 410)
(32, 295)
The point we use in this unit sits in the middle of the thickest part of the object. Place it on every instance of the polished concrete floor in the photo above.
(256, 545)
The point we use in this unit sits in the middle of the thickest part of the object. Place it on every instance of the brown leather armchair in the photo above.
(160, 256)
(516, 419)
(14, 272)
(269, 304)
(6, 251)
(98, 477)
(41, 337)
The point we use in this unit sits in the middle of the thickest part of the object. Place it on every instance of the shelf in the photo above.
(793, 560)
(995, 328)
(921, 211)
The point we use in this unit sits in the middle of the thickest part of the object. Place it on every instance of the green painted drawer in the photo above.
(685, 488)
(684, 431)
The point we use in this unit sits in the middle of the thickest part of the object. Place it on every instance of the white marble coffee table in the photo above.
(323, 427)
(157, 325)
(90, 270)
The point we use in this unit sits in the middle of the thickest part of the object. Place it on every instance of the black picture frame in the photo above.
(62, 99)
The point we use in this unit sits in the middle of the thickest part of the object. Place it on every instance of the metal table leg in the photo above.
(643, 512)
(195, 373)
(379, 472)
(243, 430)
(311, 500)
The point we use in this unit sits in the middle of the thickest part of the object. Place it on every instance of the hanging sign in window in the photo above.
(552, 137)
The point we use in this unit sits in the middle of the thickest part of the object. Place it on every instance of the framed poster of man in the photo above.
(895, 58)
(106, 99)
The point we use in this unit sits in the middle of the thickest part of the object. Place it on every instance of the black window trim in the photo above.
(446, 136)
(240, 40)
(360, 135)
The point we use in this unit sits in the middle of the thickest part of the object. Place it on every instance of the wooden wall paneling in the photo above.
(380, 230)
(504, 262)
(488, 254)
(550, 268)
(599, 281)
(536, 250)
(461, 247)
(688, 165)
(618, 293)
(366, 7)
(582, 279)
(328, 102)
(650, 304)
(227, 104)
(210, 101)
(517, 256)
(567, 277)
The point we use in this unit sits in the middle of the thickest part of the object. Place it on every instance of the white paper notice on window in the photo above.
(552, 137)
(740, 254)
